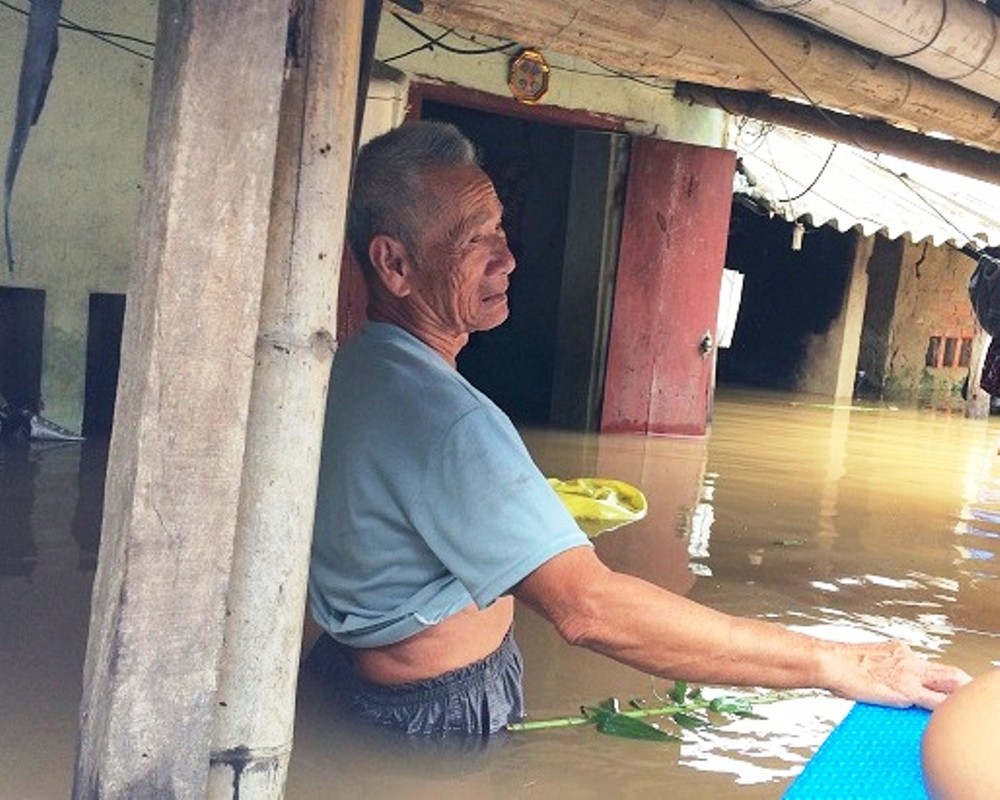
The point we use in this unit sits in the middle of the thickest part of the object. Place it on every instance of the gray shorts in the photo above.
(478, 699)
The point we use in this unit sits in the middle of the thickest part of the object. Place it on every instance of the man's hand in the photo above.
(891, 674)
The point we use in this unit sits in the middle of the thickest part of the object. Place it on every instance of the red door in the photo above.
(677, 206)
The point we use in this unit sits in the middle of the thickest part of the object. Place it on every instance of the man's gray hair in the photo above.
(388, 196)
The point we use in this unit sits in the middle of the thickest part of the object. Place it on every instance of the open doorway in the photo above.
(22, 317)
(104, 340)
(789, 295)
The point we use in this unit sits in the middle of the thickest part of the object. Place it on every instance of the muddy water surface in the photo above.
(845, 521)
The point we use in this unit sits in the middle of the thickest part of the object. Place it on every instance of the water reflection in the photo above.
(46, 490)
(18, 472)
(86, 525)
(45, 581)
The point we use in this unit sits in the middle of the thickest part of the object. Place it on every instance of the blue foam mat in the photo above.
(874, 754)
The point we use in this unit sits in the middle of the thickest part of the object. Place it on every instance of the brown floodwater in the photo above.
(846, 521)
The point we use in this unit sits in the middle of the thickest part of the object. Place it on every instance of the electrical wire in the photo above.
(107, 37)
(427, 45)
(642, 80)
(835, 123)
(608, 72)
(753, 139)
(815, 180)
(437, 41)
(753, 42)
(928, 45)
(782, 175)
(430, 42)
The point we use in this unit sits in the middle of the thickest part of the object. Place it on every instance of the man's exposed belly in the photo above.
(462, 639)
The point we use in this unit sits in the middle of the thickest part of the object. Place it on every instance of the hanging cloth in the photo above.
(984, 292)
(40, 47)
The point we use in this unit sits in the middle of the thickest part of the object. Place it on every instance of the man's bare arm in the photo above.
(666, 634)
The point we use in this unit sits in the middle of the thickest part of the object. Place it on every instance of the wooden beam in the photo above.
(255, 708)
(866, 134)
(725, 44)
(177, 448)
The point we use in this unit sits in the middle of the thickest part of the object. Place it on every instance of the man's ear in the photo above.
(392, 264)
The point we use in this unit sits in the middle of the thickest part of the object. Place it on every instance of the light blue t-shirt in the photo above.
(427, 498)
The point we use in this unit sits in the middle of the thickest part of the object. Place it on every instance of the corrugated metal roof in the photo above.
(805, 178)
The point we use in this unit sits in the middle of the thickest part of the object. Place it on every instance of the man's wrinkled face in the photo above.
(463, 265)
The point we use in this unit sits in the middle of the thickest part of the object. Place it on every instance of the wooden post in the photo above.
(257, 678)
(176, 457)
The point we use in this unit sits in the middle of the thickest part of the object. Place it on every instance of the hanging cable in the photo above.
(107, 37)
(427, 45)
(755, 138)
(436, 41)
(815, 180)
(833, 122)
(430, 42)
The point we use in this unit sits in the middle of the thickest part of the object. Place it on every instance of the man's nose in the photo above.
(504, 259)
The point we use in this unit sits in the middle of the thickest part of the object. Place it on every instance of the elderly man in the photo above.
(431, 516)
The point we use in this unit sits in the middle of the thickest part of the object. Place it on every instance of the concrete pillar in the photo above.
(831, 362)
(176, 459)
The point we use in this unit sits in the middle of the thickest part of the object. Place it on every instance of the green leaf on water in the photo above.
(689, 702)
(730, 705)
(737, 706)
(691, 721)
(617, 724)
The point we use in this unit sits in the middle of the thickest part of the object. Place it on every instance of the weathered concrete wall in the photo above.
(77, 193)
(900, 296)
(931, 301)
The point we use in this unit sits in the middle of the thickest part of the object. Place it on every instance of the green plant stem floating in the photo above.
(615, 723)
(688, 710)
